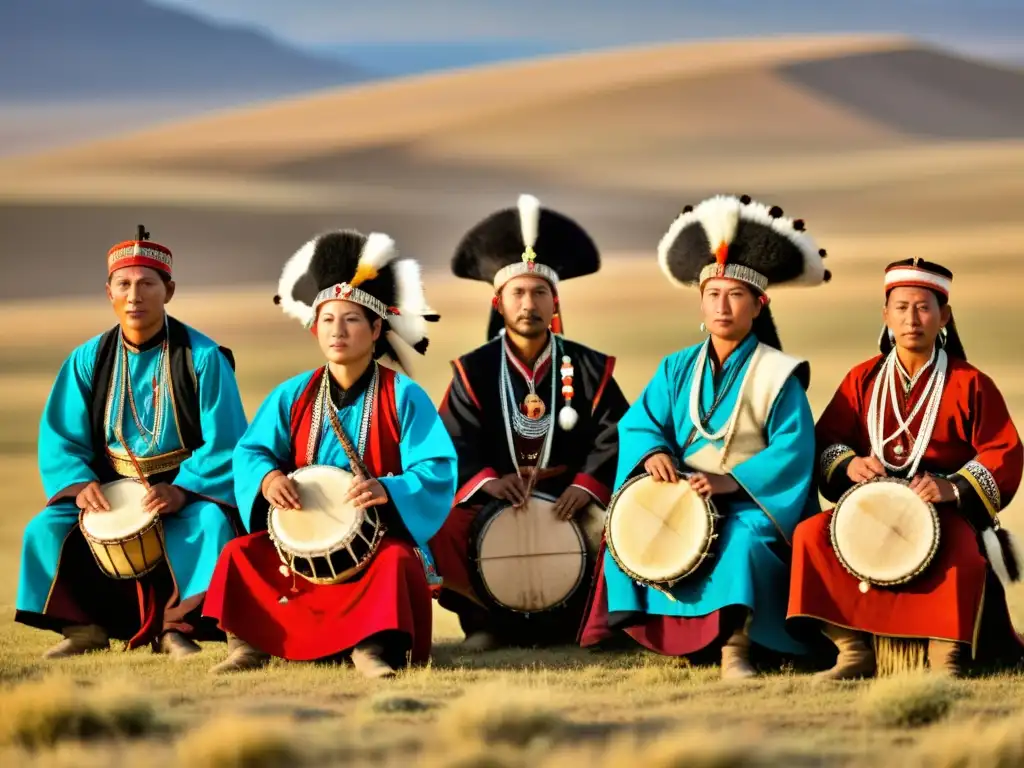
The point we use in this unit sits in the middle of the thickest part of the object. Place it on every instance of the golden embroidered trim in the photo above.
(151, 465)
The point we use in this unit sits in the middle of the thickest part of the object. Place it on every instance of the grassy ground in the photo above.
(556, 707)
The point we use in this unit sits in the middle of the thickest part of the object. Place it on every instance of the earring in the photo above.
(703, 328)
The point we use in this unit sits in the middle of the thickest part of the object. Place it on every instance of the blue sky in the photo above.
(608, 22)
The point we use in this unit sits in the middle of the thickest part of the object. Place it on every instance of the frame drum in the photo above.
(659, 533)
(883, 533)
(329, 539)
(527, 561)
(126, 542)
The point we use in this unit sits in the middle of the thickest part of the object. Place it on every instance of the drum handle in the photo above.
(346, 445)
(135, 461)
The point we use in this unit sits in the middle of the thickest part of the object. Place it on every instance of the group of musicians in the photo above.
(530, 413)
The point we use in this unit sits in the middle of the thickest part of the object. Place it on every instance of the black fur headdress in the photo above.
(526, 240)
(347, 264)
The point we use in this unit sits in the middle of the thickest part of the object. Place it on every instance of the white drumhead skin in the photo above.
(529, 559)
(326, 516)
(884, 530)
(659, 530)
(125, 516)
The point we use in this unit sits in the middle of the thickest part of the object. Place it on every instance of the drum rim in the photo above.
(154, 526)
(271, 510)
(499, 506)
(932, 551)
(708, 543)
(154, 522)
(287, 557)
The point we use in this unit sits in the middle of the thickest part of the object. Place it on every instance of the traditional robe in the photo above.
(773, 463)
(974, 444)
(584, 457)
(202, 418)
(408, 451)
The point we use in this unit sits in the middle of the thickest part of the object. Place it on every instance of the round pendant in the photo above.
(864, 587)
(534, 407)
(898, 450)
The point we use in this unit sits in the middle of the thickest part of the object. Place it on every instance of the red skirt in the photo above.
(450, 548)
(317, 621)
(667, 635)
(944, 603)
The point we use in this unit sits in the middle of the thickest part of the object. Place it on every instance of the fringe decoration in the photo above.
(898, 655)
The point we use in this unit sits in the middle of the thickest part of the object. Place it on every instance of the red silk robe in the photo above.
(292, 618)
(976, 446)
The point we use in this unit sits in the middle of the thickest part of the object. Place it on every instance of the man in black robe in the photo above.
(530, 413)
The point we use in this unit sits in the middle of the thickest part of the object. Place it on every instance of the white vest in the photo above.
(767, 373)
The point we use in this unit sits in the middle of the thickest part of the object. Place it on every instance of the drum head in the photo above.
(528, 559)
(658, 530)
(326, 517)
(125, 517)
(884, 532)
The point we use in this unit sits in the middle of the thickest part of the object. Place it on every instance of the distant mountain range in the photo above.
(78, 50)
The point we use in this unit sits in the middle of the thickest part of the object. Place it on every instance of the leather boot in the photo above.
(944, 657)
(79, 639)
(177, 646)
(856, 654)
(241, 657)
(736, 651)
(368, 659)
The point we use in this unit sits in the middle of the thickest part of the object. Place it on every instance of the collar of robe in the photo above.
(342, 397)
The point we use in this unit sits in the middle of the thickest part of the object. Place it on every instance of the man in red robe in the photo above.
(919, 412)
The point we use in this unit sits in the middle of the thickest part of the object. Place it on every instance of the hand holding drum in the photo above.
(662, 470)
(280, 491)
(91, 499)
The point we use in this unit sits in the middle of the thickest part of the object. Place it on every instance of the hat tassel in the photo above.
(567, 416)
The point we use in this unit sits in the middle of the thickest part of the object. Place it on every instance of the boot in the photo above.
(79, 639)
(177, 646)
(241, 657)
(856, 654)
(944, 657)
(367, 659)
(736, 657)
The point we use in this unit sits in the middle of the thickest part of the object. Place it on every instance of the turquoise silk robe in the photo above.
(756, 527)
(68, 459)
(421, 493)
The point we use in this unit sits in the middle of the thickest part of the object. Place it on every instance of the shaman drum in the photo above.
(527, 560)
(660, 533)
(883, 533)
(329, 539)
(126, 542)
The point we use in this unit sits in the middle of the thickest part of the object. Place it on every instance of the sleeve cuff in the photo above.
(596, 489)
(832, 458)
(474, 484)
(981, 481)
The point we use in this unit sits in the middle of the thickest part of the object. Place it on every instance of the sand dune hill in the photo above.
(861, 136)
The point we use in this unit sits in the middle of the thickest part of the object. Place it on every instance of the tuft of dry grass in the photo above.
(908, 701)
(41, 714)
(974, 744)
(389, 703)
(234, 741)
(498, 713)
(686, 748)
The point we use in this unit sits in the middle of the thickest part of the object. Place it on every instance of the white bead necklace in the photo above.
(696, 387)
(885, 383)
(514, 419)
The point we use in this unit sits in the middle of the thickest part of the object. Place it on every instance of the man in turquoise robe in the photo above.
(750, 448)
(150, 395)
